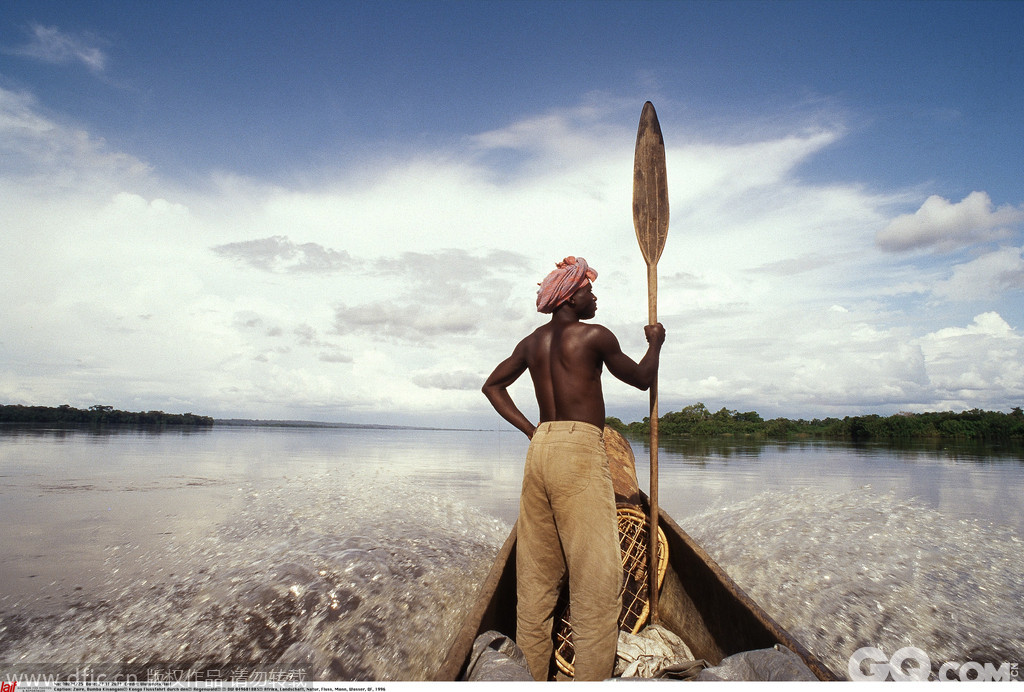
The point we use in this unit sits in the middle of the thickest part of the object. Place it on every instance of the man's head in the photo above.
(584, 302)
(561, 285)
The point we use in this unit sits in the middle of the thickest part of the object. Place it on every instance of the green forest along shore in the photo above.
(96, 415)
(697, 421)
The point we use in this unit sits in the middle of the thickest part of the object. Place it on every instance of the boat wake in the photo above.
(346, 575)
(860, 569)
(333, 577)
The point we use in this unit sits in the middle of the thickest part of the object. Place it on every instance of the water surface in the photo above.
(353, 554)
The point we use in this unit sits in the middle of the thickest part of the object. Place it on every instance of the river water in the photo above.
(352, 554)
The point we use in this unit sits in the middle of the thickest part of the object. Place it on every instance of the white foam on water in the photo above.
(349, 575)
(842, 571)
(339, 576)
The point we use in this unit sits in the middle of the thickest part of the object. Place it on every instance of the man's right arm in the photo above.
(496, 389)
(640, 375)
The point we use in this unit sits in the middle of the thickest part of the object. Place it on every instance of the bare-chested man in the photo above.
(567, 520)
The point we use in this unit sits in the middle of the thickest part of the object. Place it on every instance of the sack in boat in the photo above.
(655, 652)
(495, 657)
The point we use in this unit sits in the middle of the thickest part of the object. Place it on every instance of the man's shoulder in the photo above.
(538, 335)
(592, 328)
(586, 330)
(595, 338)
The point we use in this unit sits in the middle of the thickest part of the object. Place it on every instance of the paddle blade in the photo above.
(650, 187)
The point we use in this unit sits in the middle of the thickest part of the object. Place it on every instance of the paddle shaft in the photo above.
(652, 542)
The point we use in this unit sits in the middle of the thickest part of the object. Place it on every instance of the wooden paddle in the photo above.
(650, 219)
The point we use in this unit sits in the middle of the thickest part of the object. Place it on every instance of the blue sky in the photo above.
(340, 211)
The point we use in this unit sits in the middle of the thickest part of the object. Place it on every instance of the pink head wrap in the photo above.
(572, 274)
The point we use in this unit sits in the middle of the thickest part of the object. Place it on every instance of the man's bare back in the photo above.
(565, 358)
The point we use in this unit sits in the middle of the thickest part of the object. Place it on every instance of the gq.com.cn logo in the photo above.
(910, 663)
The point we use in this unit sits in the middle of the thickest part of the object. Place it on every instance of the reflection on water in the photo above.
(11, 432)
(959, 479)
(689, 450)
(354, 554)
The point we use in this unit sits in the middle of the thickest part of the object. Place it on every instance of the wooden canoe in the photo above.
(698, 601)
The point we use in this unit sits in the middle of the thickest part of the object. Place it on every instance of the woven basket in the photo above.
(635, 606)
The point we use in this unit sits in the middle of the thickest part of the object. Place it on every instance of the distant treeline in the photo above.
(697, 421)
(96, 415)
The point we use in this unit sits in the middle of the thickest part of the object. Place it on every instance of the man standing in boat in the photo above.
(567, 520)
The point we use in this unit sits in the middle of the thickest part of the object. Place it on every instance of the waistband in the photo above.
(569, 426)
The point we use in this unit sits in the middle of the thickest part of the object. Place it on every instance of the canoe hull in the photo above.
(698, 601)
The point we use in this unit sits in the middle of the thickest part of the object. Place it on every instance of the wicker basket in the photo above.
(633, 527)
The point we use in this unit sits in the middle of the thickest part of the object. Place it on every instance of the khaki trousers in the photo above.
(567, 522)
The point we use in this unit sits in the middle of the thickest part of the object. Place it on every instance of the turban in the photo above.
(572, 274)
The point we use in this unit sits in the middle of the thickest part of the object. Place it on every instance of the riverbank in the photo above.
(698, 421)
(96, 415)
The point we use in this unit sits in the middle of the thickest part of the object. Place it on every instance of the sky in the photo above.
(340, 211)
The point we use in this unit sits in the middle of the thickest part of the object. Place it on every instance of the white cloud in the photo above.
(984, 277)
(560, 138)
(459, 379)
(818, 361)
(43, 154)
(978, 366)
(944, 226)
(50, 44)
(392, 293)
(335, 357)
(281, 254)
(990, 324)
